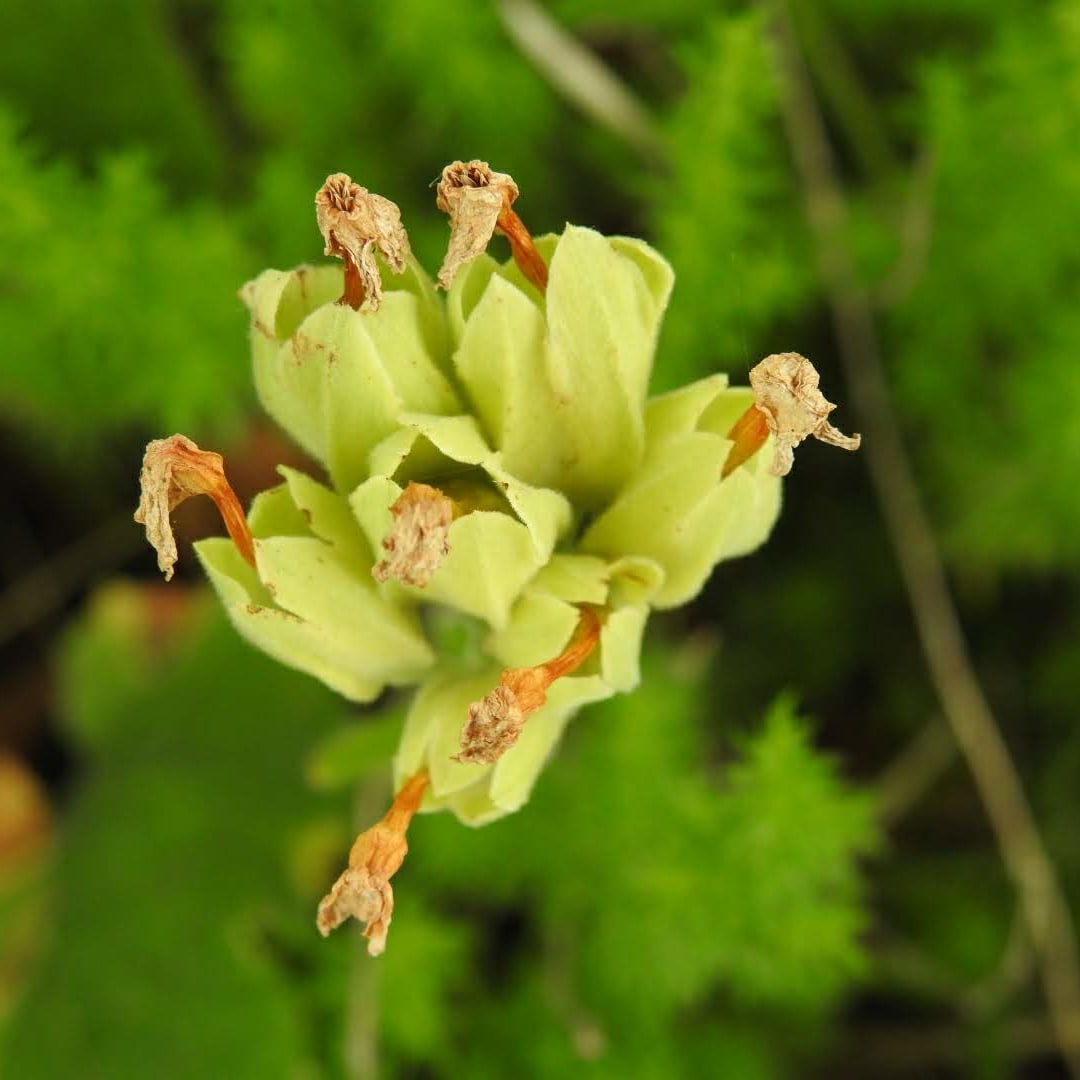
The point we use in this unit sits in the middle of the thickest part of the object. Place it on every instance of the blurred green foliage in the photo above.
(192, 860)
(682, 895)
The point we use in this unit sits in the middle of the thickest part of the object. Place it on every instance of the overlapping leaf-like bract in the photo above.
(529, 411)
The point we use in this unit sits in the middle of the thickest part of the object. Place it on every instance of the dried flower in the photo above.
(363, 890)
(173, 470)
(479, 201)
(791, 407)
(354, 222)
(418, 541)
(495, 722)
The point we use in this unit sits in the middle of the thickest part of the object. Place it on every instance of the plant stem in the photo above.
(361, 1049)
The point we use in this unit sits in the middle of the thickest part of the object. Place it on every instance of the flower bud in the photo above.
(545, 617)
(310, 601)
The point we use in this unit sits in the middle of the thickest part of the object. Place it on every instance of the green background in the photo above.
(770, 860)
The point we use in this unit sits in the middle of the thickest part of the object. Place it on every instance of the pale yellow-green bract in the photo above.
(532, 412)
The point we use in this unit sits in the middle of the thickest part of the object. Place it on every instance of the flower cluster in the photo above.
(495, 472)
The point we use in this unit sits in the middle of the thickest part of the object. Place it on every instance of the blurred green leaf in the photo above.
(746, 880)
(175, 851)
(726, 217)
(353, 752)
(118, 308)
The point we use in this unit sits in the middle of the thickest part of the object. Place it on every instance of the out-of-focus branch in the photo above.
(1012, 972)
(580, 76)
(944, 649)
(914, 771)
(361, 1049)
(50, 584)
(843, 91)
(916, 228)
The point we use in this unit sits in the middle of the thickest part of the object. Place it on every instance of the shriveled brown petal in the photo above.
(354, 222)
(474, 196)
(363, 890)
(173, 470)
(786, 390)
(356, 894)
(496, 721)
(419, 539)
(494, 724)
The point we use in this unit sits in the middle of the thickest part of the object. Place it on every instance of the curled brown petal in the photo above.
(354, 222)
(496, 721)
(789, 406)
(419, 539)
(363, 890)
(175, 469)
(479, 201)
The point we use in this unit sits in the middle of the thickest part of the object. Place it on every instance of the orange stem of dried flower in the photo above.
(354, 293)
(495, 723)
(173, 470)
(232, 514)
(406, 802)
(748, 434)
(522, 247)
(363, 890)
(585, 639)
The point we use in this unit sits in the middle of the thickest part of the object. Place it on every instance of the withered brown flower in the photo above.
(479, 201)
(354, 222)
(496, 721)
(789, 406)
(363, 890)
(175, 469)
(418, 541)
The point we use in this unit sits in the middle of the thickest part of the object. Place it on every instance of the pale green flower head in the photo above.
(500, 503)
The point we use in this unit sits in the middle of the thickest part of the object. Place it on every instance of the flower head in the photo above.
(492, 460)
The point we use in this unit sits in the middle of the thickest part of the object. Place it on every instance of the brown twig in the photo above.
(916, 229)
(914, 771)
(581, 76)
(944, 649)
(51, 584)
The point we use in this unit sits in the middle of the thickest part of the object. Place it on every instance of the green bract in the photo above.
(530, 412)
